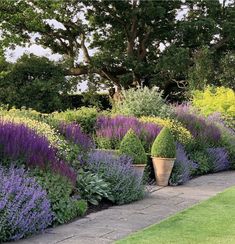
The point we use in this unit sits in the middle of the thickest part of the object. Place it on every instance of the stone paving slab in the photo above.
(117, 222)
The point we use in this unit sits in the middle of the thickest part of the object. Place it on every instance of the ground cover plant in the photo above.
(209, 222)
(64, 204)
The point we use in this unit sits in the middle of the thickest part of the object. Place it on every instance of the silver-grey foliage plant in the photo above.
(143, 102)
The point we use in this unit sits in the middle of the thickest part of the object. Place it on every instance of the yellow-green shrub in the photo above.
(180, 133)
(85, 117)
(219, 99)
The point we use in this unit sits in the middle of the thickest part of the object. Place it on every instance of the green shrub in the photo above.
(164, 145)
(143, 102)
(92, 188)
(106, 143)
(85, 117)
(228, 141)
(59, 192)
(204, 162)
(131, 146)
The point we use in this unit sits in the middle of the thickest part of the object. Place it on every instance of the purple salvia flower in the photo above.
(18, 142)
(73, 133)
(115, 128)
(201, 128)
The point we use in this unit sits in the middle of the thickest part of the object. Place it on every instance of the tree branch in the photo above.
(87, 58)
(132, 33)
(76, 71)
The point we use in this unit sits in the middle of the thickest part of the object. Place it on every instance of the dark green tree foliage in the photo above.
(36, 83)
(164, 145)
(4, 65)
(226, 73)
(128, 36)
(131, 146)
(202, 72)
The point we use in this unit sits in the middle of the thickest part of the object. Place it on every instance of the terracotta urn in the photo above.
(139, 168)
(162, 169)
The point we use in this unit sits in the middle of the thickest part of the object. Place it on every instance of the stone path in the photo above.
(117, 222)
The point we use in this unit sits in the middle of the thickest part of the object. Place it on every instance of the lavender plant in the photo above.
(220, 158)
(21, 144)
(183, 167)
(126, 184)
(111, 130)
(24, 207)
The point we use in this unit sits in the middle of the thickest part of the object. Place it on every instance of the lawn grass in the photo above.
(212, 221)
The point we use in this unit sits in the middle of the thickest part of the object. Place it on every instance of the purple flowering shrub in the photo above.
(204, 131)
(126, 184)
(220, 158)
(111, 130)
(20, 144)
(24, 207)
(183, 167)
(73, 133)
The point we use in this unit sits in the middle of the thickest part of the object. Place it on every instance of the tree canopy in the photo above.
(129, 42)
(34, 82)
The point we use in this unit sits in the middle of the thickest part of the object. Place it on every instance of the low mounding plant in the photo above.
(92, 187)
(59, 191)
(203, 160)
(126, 184)
(24, 206)
(164, 145)
(132, 147)
(143, 102)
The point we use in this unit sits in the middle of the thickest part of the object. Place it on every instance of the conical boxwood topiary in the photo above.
(164, 145)
(131, 146)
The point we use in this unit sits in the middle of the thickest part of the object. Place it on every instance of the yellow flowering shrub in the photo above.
(180, 133)
(23, 112)
(219, 99)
